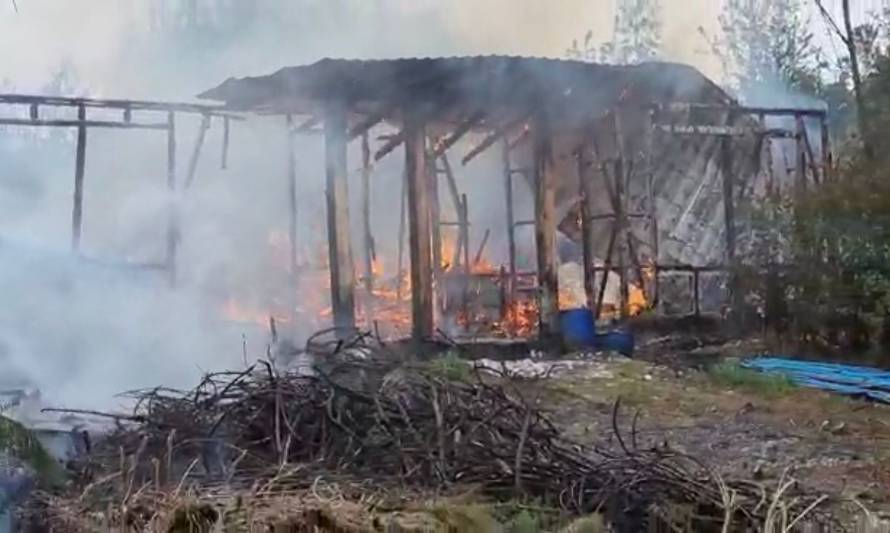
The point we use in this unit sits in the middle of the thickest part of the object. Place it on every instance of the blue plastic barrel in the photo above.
(616, 341)
(578, 327)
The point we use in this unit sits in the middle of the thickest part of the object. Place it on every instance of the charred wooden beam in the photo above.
(196, 151)
(545, 226)
(224, 158)
(369, 122)
(511, 223)
(390, 145)
(462, 129)
(291, 200)
(490, 140)
(729, 184)
(142, 105)
(67, 123)
(367, 237)
(339, 249)
(801, 156)
(173, 209)
(79, 167)
(827, 162)
(416, 167)
(586, 230)
(435, 214)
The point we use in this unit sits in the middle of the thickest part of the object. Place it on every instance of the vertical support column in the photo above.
(367, 239)
(621, 229)
(435, 216)
(468, 268)
(291, 199)
(801, 158)
(652, 202)
(827, 161)
(79, 167)
(511, 224)
(586, 233)
(337, 193)
(545, 227)
(419, 229)
(173, 209)
(726, 164)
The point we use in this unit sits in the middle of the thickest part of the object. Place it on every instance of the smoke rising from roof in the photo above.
(82, 332)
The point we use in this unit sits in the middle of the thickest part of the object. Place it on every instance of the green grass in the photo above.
(731, 375)
(19, 442)
(451, 367)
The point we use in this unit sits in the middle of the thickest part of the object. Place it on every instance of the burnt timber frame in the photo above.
(426, 159)
(82, 124)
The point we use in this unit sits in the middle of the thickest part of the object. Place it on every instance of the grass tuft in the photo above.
(732, 375)
(452, 367)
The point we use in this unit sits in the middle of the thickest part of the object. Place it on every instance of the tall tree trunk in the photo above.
(861, 112)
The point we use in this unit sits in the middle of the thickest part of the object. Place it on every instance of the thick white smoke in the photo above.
(83, 331)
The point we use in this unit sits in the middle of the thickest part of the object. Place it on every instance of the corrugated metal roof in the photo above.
(438, 85)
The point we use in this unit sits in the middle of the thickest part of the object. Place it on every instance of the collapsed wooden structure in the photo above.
(618, 157)
(151, 115)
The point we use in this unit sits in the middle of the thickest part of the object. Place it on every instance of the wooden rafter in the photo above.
(443, 144)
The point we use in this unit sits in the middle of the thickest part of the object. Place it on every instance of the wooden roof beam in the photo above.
(369, 122)
(390, 145)
(490, 140)
(443, 144)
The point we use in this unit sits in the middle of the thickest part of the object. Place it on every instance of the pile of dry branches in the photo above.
(364, 420)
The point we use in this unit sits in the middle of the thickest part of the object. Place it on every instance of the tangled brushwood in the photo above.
(373, 426)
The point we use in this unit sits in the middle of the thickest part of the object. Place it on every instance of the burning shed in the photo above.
(641, 165)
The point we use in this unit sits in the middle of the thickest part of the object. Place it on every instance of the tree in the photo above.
(636, 36)
(767, 46)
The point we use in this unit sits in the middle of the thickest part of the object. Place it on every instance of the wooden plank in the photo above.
(79, 167)
(827, 162)
(419, 229)
(63, 101)
(726, 164)
(291, 198)
(468, 268)
(620, 204)
(225, 145)
(368, 238)
(586, 230)
(652, 204)
(390, 145)
(361, 129)
(339, 247)
(196, 151)
(511, 224)
(801, 156)
(173, 213)
(462, 129)
(545, 227)
(403, 214)
(435, 214)
(67, 123)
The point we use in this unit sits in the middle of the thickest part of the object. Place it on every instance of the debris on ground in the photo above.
(365, 426)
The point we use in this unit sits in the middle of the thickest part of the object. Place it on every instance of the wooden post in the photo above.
(79, 167)
(435, 217)
(468, 268)
(291, 199)
(801, 159)
(586, 233)
(419, 229)
(726, 163)
(224, 157)
(545, 227)
(368, 238)
(196, 151)
(827, 162)
(173, 220)
(337, 193)
(401, 245)
(696, 305)
(652, 204)
(511, 224)
(619, 206)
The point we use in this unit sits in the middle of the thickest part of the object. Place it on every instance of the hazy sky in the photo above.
(98, 37)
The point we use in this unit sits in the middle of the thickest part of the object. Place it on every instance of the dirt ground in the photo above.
(742, 427)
